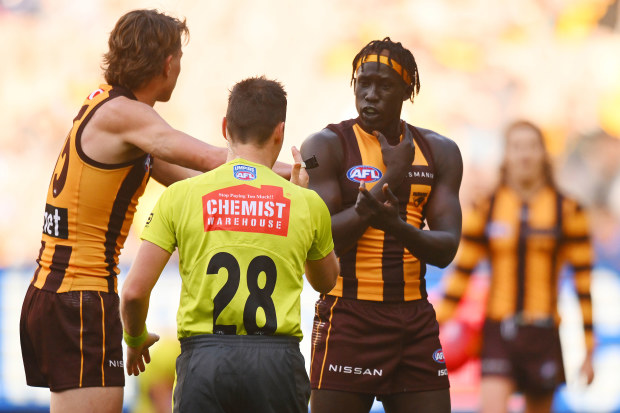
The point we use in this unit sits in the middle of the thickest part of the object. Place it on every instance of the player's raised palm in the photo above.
(398, 157)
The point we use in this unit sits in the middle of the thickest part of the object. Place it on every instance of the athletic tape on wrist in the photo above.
(135, 341)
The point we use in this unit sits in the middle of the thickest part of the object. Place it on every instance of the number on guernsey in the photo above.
(258, 298)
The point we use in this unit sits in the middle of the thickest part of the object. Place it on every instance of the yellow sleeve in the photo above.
(159, 228)
(323, 242)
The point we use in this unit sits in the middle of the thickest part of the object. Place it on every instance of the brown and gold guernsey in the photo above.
(527, 243)
(378, 267)
(88, 211)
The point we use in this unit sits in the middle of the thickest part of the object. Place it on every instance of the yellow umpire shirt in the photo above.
(243, 234)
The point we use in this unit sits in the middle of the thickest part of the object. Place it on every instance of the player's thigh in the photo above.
(356, 346)
(333, 401)
(88, 399)
(433, 401)
(494, 393)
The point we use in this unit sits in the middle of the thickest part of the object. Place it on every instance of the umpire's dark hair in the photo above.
(255, 107)
(397, 52)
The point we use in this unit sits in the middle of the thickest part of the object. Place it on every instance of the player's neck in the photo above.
(391, 132)
(261, 155)
(151, 92)
(143, 95)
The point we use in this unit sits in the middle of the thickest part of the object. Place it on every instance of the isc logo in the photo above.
(244, 172)
(364, 173)
(438, 356)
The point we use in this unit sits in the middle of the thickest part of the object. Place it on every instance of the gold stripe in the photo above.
(411, 264)
(316, 310)
(103, 340)
(331, 314)
(337, 290)
(369, 255)
(388, 62)
(81, 342)
(174, 386)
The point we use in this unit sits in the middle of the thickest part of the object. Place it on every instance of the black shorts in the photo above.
(376, 348)
(224, 373)
(530, 355)
(71, 340)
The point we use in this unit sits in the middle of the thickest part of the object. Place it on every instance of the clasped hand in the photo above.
(380, 214)
(384, 213)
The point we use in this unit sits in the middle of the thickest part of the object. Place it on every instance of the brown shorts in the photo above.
(530, 355)
(71, 340)
(375, 347)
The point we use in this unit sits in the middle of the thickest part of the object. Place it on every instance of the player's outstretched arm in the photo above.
(144, 273)
(167, 173)
(283, 169)
(322, 274)
(137, 124)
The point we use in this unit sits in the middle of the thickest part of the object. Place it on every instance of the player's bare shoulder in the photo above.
(323, 140)
(325, 145)
(120, 114)
(107, 136)
(445, 151)
(438, 141)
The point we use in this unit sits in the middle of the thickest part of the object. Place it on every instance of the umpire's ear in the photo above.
(224, 124)
(278, 133)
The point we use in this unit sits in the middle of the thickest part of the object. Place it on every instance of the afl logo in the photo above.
(438, 356)
(364, 173)
(244, 172)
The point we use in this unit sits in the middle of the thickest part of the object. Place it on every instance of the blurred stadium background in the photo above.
(482, 64)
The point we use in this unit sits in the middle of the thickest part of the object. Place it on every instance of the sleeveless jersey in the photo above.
(243, 235)
(527, 243)
(378, 267)
(88, 211)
